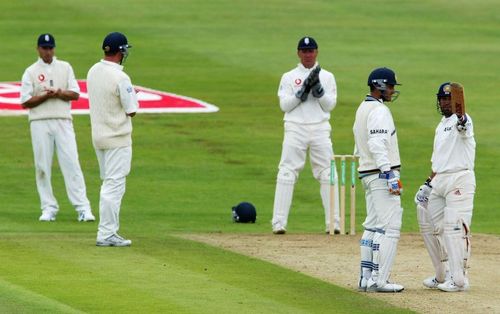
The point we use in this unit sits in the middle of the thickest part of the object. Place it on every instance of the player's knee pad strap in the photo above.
(286, 176)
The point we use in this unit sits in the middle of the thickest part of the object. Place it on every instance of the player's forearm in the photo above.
(68, 95)
(378, 149)
(35, 101)
(327, 102)
(288, 103)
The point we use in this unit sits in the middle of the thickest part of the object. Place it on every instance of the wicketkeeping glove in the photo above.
(393, 183)
(317, 90)
(303, 92)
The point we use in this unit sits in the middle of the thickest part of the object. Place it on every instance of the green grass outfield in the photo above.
(188, 170)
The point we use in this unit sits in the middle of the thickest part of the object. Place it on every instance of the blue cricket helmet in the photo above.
(444, 90)
(244, 212)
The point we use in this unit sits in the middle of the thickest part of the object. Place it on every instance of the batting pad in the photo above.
(387, 254)
(455, 246)
(432, 243)
(282, 202)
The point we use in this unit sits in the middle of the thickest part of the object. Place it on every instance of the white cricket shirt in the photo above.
(375, 137)
(313, 110)
(41, 76)
(453, 150)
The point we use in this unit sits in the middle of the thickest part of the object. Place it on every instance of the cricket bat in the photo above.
(457, 99)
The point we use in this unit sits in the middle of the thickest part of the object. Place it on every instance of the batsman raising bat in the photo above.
(445, 200)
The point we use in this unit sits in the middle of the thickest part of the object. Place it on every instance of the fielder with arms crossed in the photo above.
(307, 94)
(379, 164)
(445, 200)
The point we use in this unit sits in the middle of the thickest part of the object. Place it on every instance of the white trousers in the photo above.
(452, 198)
(114, 166)
(298, 139)
(57, 135)
(450, 209)
(383, 210)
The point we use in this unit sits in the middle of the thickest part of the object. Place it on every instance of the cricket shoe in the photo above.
(450, 286)
(48, 215)
(371, 286)
(363, 282)
(114, 240)
(85, 215)
(432, 282)
(280, 230)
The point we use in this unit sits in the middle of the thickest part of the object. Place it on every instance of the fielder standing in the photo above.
(379, 165)
(113, 102)
(445, 200)
(47, 88)
(306, 94)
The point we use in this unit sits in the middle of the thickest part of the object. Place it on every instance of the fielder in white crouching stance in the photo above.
(113, 102)
(445, 201)
(306, 94)
(47, 88)
(379, 165)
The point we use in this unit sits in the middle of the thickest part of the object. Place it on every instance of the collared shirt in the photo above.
(41, 76)
(454, 150)
(111, 98)
(313, 110)
(376, 140)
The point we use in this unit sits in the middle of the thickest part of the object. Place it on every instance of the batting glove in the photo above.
(422, 196)
(393, 183)
(461, 123)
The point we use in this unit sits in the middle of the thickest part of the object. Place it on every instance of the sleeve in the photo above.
(329, 99)
(379, 134)
(26, 88)
(128, 97)
(72, 83)
(287, 98)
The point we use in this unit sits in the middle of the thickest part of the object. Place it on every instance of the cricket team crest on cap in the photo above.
(150, 101)
(306, 40)
(447, 88)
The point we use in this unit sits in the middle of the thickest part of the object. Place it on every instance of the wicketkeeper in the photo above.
(445, 200)
(307, 94)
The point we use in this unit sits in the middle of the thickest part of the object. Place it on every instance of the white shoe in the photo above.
(280, 230)
(390, 287)
(114, 240)
(48, 215)
(85, 215)
(372, 286)
(363, 282)
(431, 282)
(450, 286)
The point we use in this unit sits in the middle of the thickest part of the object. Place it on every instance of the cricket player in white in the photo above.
(379, 165)
(445, 201)
(47, 88)
(306, 94)
(113, 102)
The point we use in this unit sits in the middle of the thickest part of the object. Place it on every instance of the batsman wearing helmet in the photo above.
(113, 103)
(306, 94)
(445, 200)
(379, 165)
